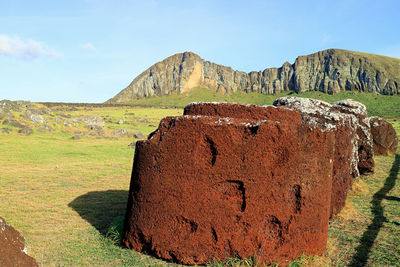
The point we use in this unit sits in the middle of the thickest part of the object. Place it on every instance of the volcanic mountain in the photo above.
(329, 71)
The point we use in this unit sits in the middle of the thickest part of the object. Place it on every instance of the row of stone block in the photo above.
(229, 180)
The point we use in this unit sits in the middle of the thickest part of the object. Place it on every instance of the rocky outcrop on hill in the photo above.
(12, 247)
(329, 71)
(230, 187)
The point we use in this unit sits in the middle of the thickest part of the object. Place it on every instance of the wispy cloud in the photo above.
(88, 47)
(25, 49)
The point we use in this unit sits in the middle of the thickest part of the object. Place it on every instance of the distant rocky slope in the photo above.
(329, 71)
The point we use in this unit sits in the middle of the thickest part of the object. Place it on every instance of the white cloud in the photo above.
(24, 49)
(88, 47)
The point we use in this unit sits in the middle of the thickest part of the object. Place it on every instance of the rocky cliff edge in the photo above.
(329, 71)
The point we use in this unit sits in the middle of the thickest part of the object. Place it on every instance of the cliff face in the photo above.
(328, 71)
(333, 70)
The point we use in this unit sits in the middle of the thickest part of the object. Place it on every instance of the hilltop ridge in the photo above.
(329, 71)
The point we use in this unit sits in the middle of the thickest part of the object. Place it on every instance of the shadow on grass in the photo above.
(100, 208)
(367, 240)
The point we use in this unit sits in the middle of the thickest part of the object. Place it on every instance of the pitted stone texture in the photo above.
(242, 111)
(313, 111)
(366, 163)
(351, 106)
(12, 247)
(209, 188)
(318, 113)
(322, 115)
(384, 136)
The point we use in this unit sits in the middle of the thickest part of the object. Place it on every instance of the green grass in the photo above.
(68, 197)
(203, 94)
(371, 237)
(377, 105)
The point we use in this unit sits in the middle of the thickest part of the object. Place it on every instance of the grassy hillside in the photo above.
(68, 197)
(377, 105)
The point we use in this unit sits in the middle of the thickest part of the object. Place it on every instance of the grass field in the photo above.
(68, 197)
(377, 105)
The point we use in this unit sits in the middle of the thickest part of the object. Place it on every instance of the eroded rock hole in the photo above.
(252, 130)
(242, 190)
(171, 124)
(189, 224)
(274, 229)
(233, 192)
(297, 199)
(214, 234)
(213, 149)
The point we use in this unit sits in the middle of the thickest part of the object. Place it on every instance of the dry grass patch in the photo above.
(358, 188)
(348, 212)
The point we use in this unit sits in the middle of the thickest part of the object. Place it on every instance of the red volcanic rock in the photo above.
(234, 110)
(12, 247)
(366, 163)
(208, 188)
(384, 136)
(319, 113)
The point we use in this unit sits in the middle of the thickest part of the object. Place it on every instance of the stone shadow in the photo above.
(361, 256)
(100, 208)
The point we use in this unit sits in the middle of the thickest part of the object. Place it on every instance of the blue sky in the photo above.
(87, 51)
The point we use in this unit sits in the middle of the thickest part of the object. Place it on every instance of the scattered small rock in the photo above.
(6, 130)
(45, 128)
(34, 117)
(25, 131)
(143, 120)
(122, 132)
(97, 130)
(14, 123)
(132, 145)
(138, 135)
(110, 138)
(90, 120)
(121, 122)
(75, 137)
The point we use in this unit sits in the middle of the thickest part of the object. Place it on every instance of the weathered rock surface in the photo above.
(138, 135)
(25, 131)
(366, 163)
(208, 188)
(328, 71)
(12, 247)
(384, 136)
(318, 113)
(234, 110)
(13, 122)
(90, 120)
(6, 130)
